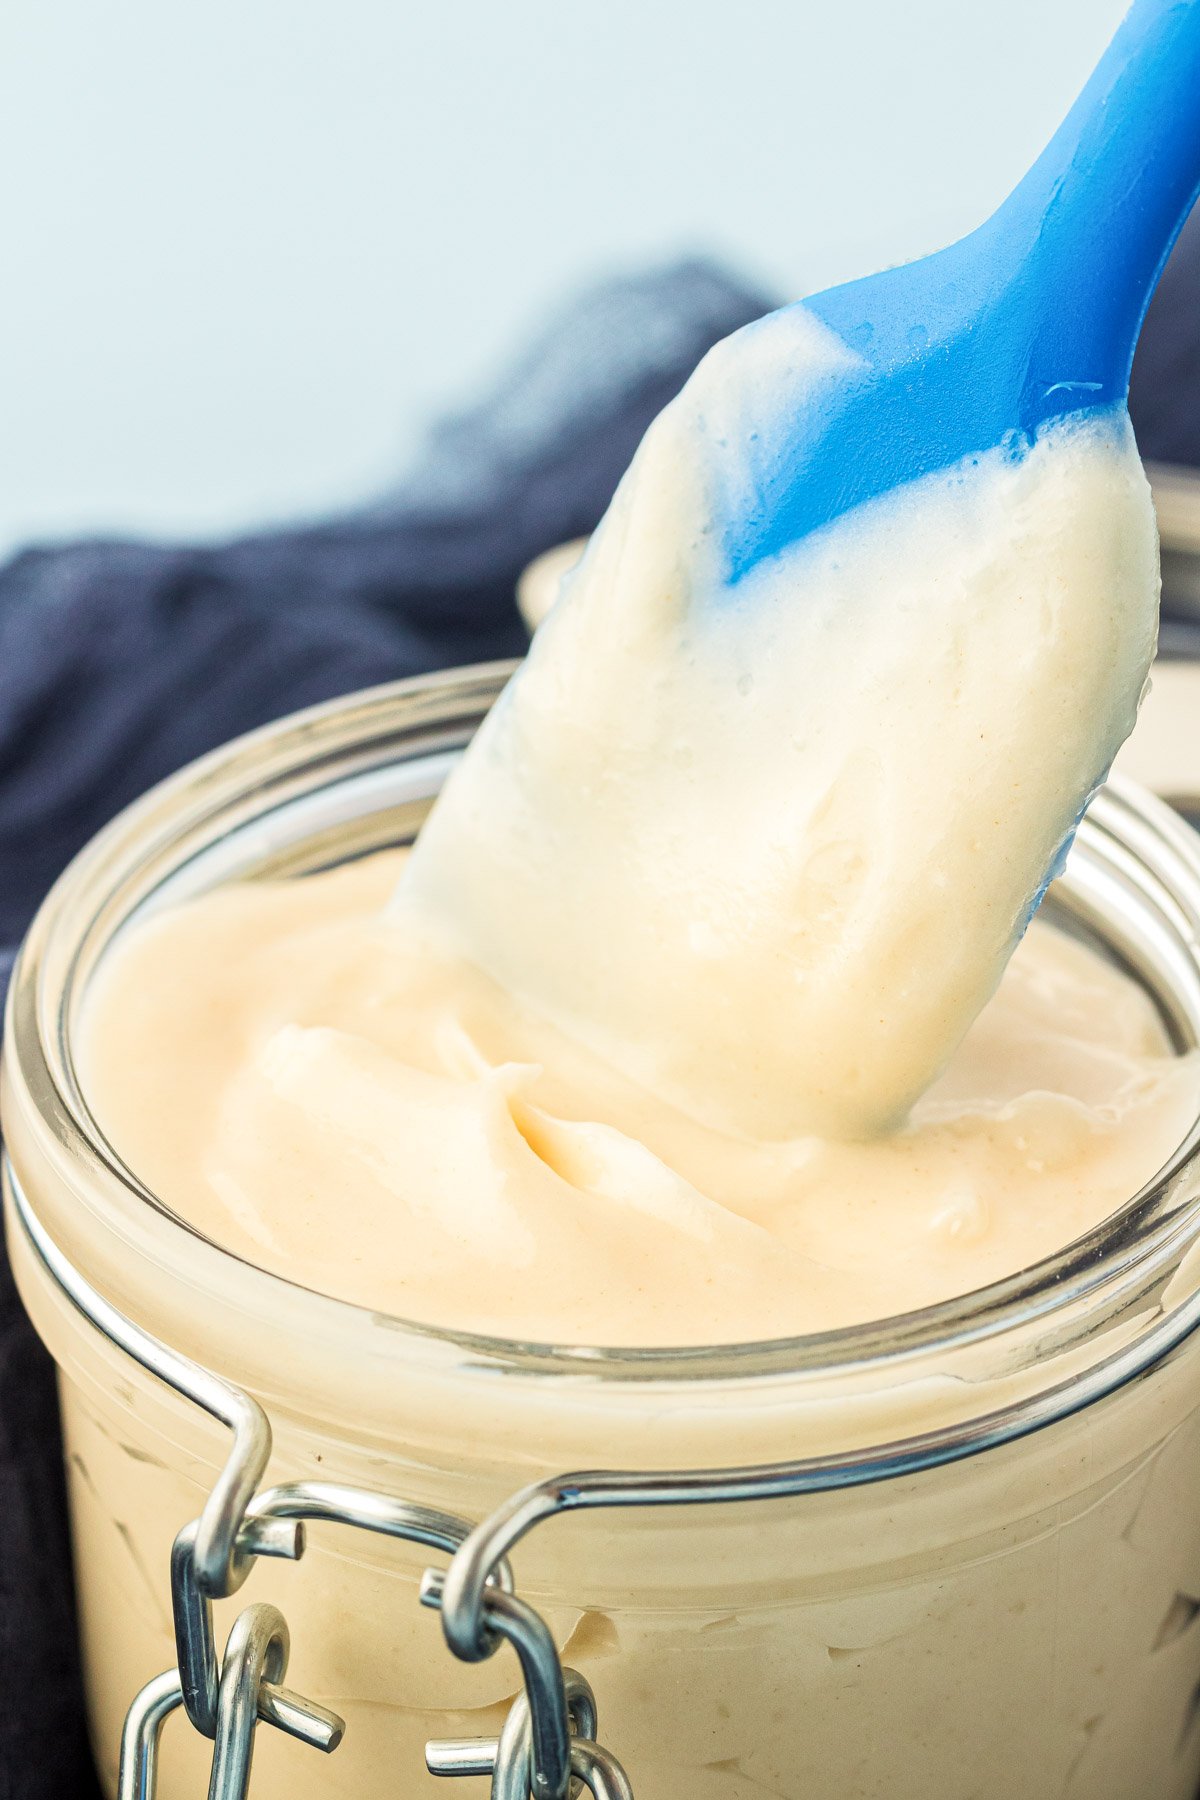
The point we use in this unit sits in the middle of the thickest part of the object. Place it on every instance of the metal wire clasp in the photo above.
(549, 1725)
(254, 1663)
(547, 1749)
(191, 1605)
(248, 1690)
(508, 1759)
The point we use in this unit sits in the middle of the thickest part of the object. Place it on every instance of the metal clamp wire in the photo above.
(138, 1777)
(550, 1729)
(595, 1767)
(256, 1657)
(191, 1608)
(507, 1759)
(515, 1776)
(222, 1563)
(600, 1773)
(274, 1705)
(464, 1612)
(274, 1526)
(292, 1505)
(333, 1503)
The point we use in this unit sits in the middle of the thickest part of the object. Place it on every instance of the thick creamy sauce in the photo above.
(641, 1048)
(765, 841)
(328, 1092)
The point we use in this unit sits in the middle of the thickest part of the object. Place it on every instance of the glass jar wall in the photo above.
(1001, 1593)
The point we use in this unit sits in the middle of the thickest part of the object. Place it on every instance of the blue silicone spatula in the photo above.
(1032, 317)
(771, 870)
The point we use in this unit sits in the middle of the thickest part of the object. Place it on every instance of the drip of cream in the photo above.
(765, 846)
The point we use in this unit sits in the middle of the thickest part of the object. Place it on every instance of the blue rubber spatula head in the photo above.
(769, 805)
(1031, 317)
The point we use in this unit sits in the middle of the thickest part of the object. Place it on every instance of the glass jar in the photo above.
(976, 1571)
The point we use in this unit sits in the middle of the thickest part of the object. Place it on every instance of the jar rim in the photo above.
(1138, 845)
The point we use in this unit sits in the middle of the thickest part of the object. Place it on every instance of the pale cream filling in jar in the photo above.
(997, 1593)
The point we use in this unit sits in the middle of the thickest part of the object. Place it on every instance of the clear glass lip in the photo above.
(350, 776)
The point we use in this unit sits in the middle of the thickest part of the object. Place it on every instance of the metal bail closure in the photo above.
(195, 1644)
(508, 1759)
(255, 1661)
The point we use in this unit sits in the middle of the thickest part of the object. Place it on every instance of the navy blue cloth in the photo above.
(121, 661)
(1164, 403)
(1164, 394)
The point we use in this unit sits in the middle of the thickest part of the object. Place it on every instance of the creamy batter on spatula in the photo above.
(765, 844)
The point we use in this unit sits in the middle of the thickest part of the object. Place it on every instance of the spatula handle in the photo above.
(1094, 219)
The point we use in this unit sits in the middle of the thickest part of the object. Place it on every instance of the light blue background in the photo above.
(250, 245)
